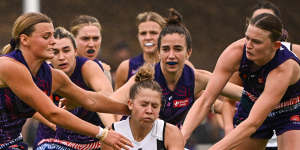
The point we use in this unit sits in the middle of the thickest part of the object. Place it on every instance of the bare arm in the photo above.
(277, 82)
(226, 65)
(202, 78)
(37, 116)
(122, 94)
(14, 74)
(122, 74)
(229, 106)
(228, 114)
(296, 49)
(92, 101)
(230, 90)
(173, 138)
(95, 78)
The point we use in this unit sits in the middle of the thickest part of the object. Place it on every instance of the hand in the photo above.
(117, 141)
(67, 104)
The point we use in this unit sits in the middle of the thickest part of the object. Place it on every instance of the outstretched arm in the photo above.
(122, 94)
(230, 90)
(229, 106)
(226, 65)
(96, 79)
(97, 102)
(277, 82)
(37, 116)
(13, 74)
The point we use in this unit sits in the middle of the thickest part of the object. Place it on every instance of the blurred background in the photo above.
(213, 25)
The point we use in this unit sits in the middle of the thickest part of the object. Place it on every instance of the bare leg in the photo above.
(251, 144)
(289, 140)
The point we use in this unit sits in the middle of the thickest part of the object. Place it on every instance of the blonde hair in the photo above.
(84, 20)
(24, 24)
(150, 16)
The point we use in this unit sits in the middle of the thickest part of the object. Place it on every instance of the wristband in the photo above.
(100, 133)
(105, 133)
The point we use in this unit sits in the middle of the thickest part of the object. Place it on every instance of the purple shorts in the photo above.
(15, 144)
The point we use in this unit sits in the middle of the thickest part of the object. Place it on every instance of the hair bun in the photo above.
(174, 17)
(146, 72)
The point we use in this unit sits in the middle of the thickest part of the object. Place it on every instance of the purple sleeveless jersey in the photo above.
(92, 117)
(134, 64)
(13, 111)
(282, 118)
(176, 103)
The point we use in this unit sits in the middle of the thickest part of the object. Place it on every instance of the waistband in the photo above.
(289, 102)
(291, 105)
(90, 146)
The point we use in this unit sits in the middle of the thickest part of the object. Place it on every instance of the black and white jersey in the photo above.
(154, 140)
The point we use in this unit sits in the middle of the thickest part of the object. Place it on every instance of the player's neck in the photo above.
(139, 132)
(172, 78)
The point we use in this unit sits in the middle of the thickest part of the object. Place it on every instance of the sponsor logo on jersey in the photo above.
(180, 103)
(295, 118)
